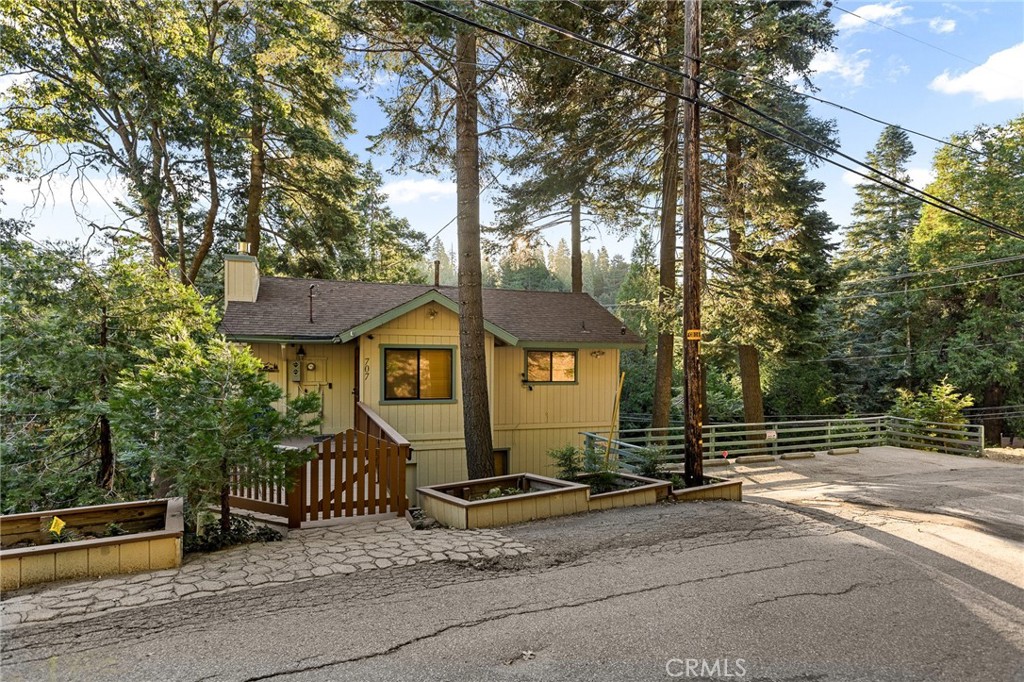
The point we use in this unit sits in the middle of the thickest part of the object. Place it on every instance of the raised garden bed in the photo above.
(149, 538)
(713, 489)
(629, 490)
(465, 504)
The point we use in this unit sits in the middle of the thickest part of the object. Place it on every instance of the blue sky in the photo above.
(956, 66)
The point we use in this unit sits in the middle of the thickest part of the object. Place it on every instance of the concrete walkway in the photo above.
(347, 547)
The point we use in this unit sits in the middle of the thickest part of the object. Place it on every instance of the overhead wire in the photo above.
(936, 271)
(805, 95)
(833, 5)
(875, 294)
(914, 192)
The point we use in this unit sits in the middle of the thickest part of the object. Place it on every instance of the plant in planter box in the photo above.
(651, 460)
(569, 461)
(601, 472)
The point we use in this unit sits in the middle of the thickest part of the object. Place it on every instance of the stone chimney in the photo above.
(241, 276)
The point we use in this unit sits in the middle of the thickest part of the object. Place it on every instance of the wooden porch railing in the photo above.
(371, 423)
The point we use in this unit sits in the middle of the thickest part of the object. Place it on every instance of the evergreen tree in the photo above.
(876, 258)
(769, 268)
(442, 107)
(70, 330)
(971, 330)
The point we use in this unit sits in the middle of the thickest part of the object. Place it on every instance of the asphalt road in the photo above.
(770, 590)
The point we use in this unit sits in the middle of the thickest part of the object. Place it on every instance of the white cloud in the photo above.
(921, 177)
(408, 191)
(941, 25)
(886, 15)
(850, 67)
(1000, 78)
(897, 68)
(852, 179)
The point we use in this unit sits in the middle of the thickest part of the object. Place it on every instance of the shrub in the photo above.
(568, 459)
(941, 403)
(651, 460)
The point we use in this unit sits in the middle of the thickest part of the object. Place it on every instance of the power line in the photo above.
(832, 5)
(937, 271)
(918, 194)
(781, 88)
(875, 294)
(908, 353)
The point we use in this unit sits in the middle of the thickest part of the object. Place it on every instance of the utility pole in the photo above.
(693, 240)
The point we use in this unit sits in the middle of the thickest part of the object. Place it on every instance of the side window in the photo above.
(551, 366)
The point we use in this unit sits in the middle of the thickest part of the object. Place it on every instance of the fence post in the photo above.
(828, 435)
(296, 495)
(981, 440)
(711, 429)
(775, 441)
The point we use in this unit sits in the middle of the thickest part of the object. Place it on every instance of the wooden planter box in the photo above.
(153, 542)
(650, 491)
(717, 489)
(450, 505)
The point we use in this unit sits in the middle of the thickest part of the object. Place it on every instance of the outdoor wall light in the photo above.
(301, 353)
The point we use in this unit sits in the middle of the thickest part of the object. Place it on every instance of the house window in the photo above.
(418, 374)
(551, 366)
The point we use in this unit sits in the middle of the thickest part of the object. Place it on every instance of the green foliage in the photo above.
(568, 460)
(182, 101)
(966, 329)
(524, 268)
(496, 492)
(724, 396)
(113, 530)
(66, 534)
(70, 328)
(878, 247)
(941, 404)
(200, 412)
(651, 460)
(800, 388)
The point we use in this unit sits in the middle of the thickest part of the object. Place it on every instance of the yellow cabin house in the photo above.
(388, 353)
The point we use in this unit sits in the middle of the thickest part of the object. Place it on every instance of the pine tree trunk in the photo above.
(750, 380)
(749, 359)
(475, 402)
(664, 360)
(994, 396)
(577, 247)
(105, 475)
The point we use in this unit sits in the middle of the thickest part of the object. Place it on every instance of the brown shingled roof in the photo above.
(281, 311)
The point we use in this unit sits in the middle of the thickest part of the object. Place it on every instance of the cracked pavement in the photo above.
(806, 590)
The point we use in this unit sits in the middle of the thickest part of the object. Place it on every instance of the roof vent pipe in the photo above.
(311, 287)
(437, 273)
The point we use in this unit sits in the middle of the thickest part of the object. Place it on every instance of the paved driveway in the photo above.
(970, 510)
(811, 579)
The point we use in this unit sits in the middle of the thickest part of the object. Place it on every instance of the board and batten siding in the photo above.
(332, 378)
(531, 422)
(527, 422)
(434, 428)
